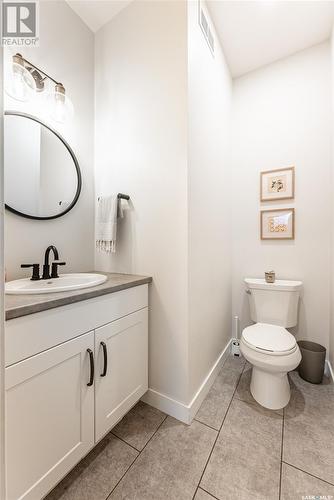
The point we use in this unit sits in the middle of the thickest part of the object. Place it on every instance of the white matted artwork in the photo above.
(278, 224)
(278, 184)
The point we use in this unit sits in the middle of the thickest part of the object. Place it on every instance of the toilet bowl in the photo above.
(273, 352)
(267, 345)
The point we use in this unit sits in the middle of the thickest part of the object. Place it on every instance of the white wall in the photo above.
(209, 103)
(66, 52)
(331, 340)
(2, 309)
(141, 114)
(162, 112)
(282, 117)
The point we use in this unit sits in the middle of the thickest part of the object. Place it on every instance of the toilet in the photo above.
(267, 345)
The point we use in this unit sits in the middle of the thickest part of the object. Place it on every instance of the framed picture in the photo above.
(278, 184)
(278, 224)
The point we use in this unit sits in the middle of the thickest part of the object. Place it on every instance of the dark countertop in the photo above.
(22, 305)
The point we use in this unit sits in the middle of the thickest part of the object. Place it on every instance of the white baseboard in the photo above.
(166, 404)
(329, 370)
(207, 383)
(181, 411)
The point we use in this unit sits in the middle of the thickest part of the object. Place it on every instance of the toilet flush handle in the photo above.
(248, 291)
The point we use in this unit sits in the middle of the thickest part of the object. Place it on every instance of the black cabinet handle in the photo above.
(91, 361)
(105, 359)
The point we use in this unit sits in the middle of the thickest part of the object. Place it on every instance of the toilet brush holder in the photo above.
(236, 348)
(235, 343)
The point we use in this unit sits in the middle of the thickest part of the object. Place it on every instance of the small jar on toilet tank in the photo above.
(270, 276)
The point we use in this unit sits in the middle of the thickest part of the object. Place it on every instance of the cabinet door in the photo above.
(49, 417)
(121, 369)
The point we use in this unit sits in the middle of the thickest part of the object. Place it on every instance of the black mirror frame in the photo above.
(75, 161)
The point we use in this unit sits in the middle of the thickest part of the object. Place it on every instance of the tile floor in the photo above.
(234, 449)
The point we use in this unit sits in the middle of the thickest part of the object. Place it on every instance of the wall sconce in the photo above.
(25, 80)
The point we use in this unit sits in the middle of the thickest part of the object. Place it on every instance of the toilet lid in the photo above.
(269, 338)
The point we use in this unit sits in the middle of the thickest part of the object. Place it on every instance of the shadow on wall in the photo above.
(300, 332)
(245, 318)
(273, 243)
(126, 239)
(170, 375)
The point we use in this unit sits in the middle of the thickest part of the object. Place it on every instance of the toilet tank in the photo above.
(273, 303)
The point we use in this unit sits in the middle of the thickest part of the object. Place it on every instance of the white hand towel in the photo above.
(106, 228)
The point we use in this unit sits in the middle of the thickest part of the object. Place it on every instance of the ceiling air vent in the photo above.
(206, 31)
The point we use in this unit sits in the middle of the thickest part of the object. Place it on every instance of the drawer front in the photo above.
(30, 335)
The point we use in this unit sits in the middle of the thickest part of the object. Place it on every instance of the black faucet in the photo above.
(46, 266)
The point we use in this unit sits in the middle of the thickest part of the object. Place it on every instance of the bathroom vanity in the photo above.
(76, 362)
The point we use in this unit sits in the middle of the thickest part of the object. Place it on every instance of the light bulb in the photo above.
(60, 106)
(20, 84)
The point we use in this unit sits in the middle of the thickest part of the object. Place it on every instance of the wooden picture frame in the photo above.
(278, 184)
(277, 224)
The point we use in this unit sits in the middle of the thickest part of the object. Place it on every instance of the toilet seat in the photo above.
(269, 339)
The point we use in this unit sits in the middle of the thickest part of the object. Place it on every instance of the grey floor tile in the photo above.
(243, 392)
(171, 465)
(297, 484)
(97, 474)
(245, 462)
(214, 407)
(139, 425)
(308, 425)
(203, 495)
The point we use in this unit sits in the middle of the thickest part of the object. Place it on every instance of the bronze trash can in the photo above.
(312, 365)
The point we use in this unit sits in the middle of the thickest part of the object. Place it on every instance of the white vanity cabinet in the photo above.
(72, 388)
(121, 377)
(49, 417)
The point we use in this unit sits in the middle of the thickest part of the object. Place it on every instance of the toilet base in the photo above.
(271, 390)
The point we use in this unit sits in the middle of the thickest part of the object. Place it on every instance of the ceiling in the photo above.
(252, 33)
(96, 13)
(256, 33)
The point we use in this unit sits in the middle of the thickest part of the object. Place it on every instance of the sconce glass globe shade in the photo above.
(60, 107)
(19, 83)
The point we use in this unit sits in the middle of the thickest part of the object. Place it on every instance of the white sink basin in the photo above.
(65, 283)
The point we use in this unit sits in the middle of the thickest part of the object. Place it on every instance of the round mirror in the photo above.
(42, 174)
